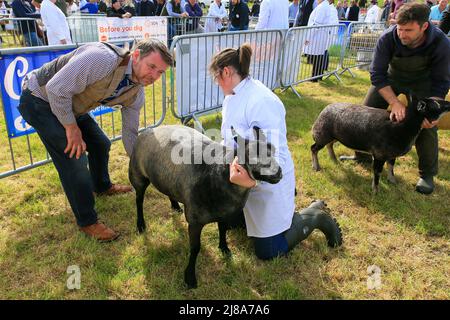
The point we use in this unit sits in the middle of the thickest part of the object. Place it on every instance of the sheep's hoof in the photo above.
(141, 227)
(392, 179)
(374, 190)
(190, 281)
(225, 251)
(316, 167)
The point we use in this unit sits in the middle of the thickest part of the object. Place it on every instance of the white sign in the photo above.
(138, 28)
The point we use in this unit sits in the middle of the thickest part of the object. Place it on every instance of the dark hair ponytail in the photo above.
(238, 58)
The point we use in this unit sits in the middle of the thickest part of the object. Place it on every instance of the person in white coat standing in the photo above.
(216, 10)
(319, 40)
(55, 22)
(374, 13)
(274, 14)
(269, 210)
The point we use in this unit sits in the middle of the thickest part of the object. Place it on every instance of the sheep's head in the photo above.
(257, 157)
(432, 109)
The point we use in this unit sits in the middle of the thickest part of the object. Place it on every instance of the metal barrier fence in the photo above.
(310, 53)
(21, 32)
(361, 40)
(278, 60)
(196, 91)
(27, 151)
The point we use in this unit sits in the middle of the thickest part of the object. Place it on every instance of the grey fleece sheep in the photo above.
(370, 130)
(203, 187)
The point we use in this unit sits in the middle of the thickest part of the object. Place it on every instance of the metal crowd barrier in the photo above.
(26, 151)
(21, 32)
(196, 92)
(310, 53)
(361, 40)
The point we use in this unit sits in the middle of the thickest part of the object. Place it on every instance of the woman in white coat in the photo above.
(269, 211)
(319, 40)
(216, 10)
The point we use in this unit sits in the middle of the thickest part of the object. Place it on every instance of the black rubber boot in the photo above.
(316, 216)
(425, 185)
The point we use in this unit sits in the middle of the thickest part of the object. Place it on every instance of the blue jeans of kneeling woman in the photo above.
(79, 178)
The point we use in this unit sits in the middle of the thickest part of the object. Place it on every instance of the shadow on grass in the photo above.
(399, 202)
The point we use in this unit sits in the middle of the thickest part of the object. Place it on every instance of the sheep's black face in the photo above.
(259, 158)
(432, 109)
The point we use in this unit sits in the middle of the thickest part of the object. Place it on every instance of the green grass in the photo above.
(402, 232)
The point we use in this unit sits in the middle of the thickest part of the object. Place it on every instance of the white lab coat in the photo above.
(55, 23)
(273, 14)
(320, 40)
(214, 25)
(270, 207)
(373, 14)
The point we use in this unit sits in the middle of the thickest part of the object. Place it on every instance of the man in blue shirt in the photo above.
(437, 11)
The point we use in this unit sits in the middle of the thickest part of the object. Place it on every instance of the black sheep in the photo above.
(370, 130)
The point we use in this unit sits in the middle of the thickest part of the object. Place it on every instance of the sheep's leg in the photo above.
(315, 148)
(377, 169)
(391, 176)
(331, 152)
(140, 191)
(223, 246)
(195, 231)
(175, 205)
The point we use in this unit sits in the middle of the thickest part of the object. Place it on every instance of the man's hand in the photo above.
(398, 112)
(239, 176)
(127, 15)
(75, 143)
(427, 124)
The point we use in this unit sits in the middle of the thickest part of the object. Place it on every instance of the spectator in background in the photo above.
(102, 6)
(24, 9)
(91, 6)
(437, 11)
(82, 4)
(256, 8)
(445, 21)
(430, 3)
(362, 4)
(55, 22)
(352, 13)
(72, 7)
(274, 14)
(160, 5)
(239, 15)
(386, 10)
(128, 6)
(318, 41)
(146, 8)
(304, 11)
(116, 10)
(395, 5)
(195, 12)
(374, 13)
(216, 10)
(293, 10)
(340, 10)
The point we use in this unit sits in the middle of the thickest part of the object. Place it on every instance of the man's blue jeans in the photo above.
(32, 39)
(231, 28)
(77, 179)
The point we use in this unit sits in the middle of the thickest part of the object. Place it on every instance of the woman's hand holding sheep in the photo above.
(239, 176)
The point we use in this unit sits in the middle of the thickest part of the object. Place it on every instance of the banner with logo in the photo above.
(138, 28)
(13, 69)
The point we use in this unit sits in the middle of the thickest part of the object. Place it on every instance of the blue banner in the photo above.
(13, 68)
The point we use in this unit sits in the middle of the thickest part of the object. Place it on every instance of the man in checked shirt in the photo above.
(56, 99)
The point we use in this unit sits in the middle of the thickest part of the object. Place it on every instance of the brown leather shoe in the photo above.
(100, 232)
(115, 189)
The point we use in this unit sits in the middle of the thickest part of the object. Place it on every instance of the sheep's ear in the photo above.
(421, 106)
(259, 134)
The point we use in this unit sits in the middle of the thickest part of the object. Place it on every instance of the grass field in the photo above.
(403, 233)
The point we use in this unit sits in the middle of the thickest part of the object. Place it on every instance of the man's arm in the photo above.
(130, 122)
(445, 22)
(264, 14)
